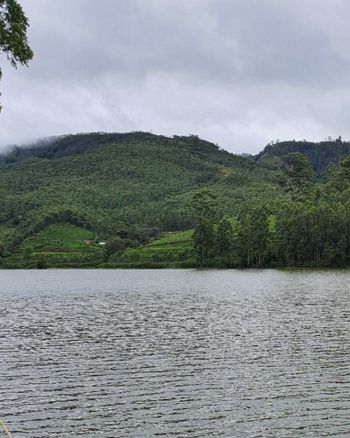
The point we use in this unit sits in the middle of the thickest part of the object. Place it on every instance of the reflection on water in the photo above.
(175, 353)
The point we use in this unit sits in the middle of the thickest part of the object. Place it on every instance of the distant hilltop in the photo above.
(321, 154)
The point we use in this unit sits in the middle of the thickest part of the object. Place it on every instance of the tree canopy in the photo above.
(13, 33)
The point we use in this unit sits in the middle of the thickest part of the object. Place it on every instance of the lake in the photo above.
(152, 353)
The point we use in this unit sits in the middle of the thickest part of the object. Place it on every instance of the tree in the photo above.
(41, 263)
(114, 245)
(203, 241)
(299, 169)
(203, 205)
(253, 236)
(224, 241)
(339, 176)
(27, 252)
(13, 34)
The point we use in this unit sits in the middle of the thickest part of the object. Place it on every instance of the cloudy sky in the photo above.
(239, 73)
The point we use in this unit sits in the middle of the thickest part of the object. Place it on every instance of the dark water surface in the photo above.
(175, 353)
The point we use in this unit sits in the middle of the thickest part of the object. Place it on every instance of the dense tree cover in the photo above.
(299, 170)
(312, 229)
(13, 33)
(321, 154)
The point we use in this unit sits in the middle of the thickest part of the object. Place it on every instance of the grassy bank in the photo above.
(70, 246)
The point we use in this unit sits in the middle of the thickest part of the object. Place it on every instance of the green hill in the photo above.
(126, 199)
(134, 186)
(321, 155)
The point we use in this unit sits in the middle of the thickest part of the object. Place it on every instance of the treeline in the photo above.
(311, 229)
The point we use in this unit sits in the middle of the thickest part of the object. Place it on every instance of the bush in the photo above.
(41, 264)
(114, 245)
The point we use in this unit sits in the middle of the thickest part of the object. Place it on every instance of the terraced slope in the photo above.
(135, 186)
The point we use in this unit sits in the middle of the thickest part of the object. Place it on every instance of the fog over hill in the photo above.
(240, 73)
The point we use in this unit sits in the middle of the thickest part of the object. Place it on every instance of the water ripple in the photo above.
(175, 353)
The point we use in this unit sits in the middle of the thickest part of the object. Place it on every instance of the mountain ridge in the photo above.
(321, 154)
(134, 186)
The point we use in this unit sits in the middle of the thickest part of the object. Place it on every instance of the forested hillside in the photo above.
(144, 200)
(321, 155)
(133, 186)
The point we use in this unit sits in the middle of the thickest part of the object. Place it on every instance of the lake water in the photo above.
(136, 353)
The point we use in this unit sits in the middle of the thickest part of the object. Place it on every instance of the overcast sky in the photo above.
(239, 73)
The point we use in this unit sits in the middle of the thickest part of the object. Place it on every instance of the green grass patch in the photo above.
(172, 248)
(61, 244)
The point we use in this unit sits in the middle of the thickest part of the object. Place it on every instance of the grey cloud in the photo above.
(237, 72)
